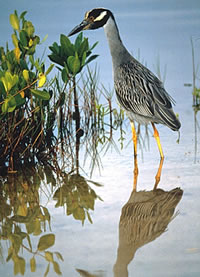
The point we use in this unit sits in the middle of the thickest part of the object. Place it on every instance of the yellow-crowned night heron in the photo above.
(140, 93)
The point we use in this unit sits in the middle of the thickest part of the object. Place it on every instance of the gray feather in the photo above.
(143, 96)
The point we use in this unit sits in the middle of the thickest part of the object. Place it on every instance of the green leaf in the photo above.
(78, 41)
(4, 107)
(23, 38)
(44, 95)
(66, 45)
(56, 59)
(91, 59)
(23, 14)
(46, 241)
(84, 58)
(2, 88)
(55, 48)
(84, 47)
(9, 80)
(56, 268)
(29, 28)
(14, 21)
(74, 64)
(11, 109)
(65, 75)
(44, 39)
(49, 69)
(94, 45)
(9, 104)
(33, 264)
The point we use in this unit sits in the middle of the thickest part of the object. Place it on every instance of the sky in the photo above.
(155, 29)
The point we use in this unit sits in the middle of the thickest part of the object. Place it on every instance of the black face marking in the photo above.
(98, 17)
(94, 19)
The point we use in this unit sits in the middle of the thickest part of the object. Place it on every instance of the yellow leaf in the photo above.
(15, 40)
(14, 21)
(42, 80)
(22, 94)
(30, 42)
(26, 75)
(24, 185)
(22, 210)
(17, 53)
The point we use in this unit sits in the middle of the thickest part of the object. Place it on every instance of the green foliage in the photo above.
(39, 116)
(19, 71)
(71, 57)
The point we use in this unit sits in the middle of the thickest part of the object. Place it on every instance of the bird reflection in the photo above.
(136, 172)
(144, 217)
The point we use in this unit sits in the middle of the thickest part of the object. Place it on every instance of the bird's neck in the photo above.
(118, 51)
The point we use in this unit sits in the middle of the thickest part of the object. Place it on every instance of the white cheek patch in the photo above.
(101, 16)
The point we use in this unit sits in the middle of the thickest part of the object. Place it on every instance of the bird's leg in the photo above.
(134, 137)
(156, 136)
(157, 177)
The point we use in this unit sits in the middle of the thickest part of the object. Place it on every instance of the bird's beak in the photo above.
(83, 26)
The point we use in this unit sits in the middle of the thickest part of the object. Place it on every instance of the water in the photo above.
(162, 29)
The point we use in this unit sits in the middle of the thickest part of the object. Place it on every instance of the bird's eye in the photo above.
(91, 18)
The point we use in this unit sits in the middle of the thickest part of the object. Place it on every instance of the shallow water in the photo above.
(93, 248)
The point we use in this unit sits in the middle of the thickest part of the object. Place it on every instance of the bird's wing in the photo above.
(140, 91)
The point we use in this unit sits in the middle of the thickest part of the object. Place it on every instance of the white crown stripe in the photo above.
(101, 16)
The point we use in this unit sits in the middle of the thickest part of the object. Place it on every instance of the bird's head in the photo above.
(94, 19)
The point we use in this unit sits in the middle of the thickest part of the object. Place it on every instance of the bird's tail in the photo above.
(168, 118)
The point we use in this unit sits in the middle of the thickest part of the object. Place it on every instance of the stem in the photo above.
(77, 122)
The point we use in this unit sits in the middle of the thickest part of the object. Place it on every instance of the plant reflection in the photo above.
(77, 195)
(23, 218)
(144, 217)
(85, 273)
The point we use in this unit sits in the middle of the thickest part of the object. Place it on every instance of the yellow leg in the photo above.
(134, 137)
(158, 175)
(156, 136)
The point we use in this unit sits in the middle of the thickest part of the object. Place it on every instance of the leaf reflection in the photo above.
(77, 196)
(25, 224)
